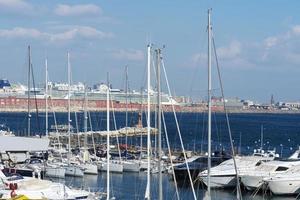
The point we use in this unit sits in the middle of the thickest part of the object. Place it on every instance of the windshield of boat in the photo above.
(280, 168)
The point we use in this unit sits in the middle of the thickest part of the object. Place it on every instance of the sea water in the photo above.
(280, 131)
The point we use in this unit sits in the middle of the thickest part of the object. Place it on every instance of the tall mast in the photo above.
(147, 193)
(160, 191)
(28, 90)
(46, 96)
(107, 138)
(85, 120)
(209, 106)
(126, 115)
(141, 118)
(69, 104)
(261, 137)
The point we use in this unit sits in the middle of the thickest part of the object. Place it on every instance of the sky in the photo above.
(257, 43)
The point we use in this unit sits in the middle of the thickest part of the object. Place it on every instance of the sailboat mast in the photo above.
(141, 138)
(261, 137)
(28, 90)
(46, 96)
(126, 114)
(147, 194)
(160, 191)
(69, 104)
(209, 106)
(85, 118)
(107, 138)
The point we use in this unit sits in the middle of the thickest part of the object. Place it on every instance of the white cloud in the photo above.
(231, 51)
(77, 10)
(129, 54)
(80, 31)
(69, 34)
(270, 42)
(296, 29)
(275, 52)
(199, 57)
(16, 6)
(226, 52)
(19, 32)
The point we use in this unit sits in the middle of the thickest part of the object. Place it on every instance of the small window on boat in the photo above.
(258, 163)
(281, 169)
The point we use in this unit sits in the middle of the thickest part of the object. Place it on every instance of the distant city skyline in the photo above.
(257, 43)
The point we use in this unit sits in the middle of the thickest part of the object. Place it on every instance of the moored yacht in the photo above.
(224, 175)
(255, 178)
(287, 183)
(33, 188)
(197, 164)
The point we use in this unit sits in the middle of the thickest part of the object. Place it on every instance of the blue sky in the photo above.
(257, 43)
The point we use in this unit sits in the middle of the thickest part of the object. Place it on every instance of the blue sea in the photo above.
(280, 132)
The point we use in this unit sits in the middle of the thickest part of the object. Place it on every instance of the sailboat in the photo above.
(88, 166)
(109, 165)
(209, 159)
(129, 165)
(148, 187)
(72, 169)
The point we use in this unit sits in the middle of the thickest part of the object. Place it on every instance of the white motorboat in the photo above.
(33, 188)
(224, 175)
(255, 178)
(286, 183)
(289, 185)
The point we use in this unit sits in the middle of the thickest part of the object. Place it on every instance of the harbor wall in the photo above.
(18, 104)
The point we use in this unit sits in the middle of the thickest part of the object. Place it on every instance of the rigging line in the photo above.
(35, 100)
(204, 129)
(115, 126)
(92, 133)
(178, 130)
(77, 128)
(197, 70)
(155, 107)
(217, 129)
(239, 194)
(195, 130)
(55, 124)
(170, 154)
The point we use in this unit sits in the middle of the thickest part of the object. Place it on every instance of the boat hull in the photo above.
(131, 166)
(55, 172)
(284, 186)
(251, 182)
(74, 171)
(90, 169)
(113, 167)
(226, 181)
